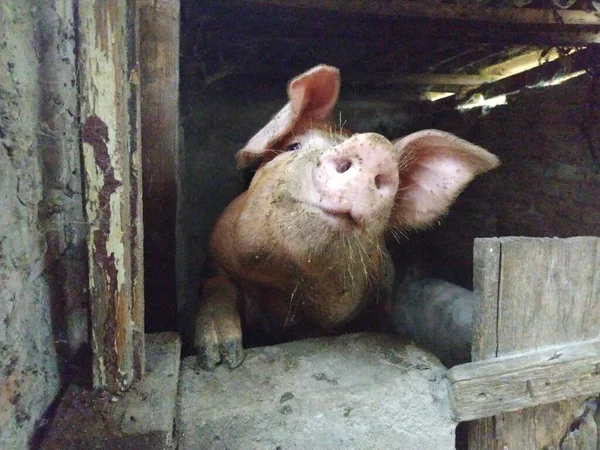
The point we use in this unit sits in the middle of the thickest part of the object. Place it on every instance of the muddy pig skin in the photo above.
(304, 246)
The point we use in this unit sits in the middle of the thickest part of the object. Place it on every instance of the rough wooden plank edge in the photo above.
(137, 213)
(569, 64)
(486, 272)
(438, 10)
(509, 383)
(105, 135)
(406, 29)
(443, 78)
(159, 22)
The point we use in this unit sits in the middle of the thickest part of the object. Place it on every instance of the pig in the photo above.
(304, 247)
(437, 314)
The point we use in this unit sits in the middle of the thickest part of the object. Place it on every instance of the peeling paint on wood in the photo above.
(112, 194)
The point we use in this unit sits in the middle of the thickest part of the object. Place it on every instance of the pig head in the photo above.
(305, 244)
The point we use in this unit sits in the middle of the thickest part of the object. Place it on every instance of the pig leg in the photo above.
(218, 326)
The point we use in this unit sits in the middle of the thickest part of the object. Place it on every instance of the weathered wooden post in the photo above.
(536, 346)
(159, 61)
(136, 193)
(109, 106)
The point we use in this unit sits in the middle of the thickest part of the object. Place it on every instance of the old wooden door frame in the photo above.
(111, 84)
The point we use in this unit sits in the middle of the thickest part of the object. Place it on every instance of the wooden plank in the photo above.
(486, 284)
(519, 63)
(159, 61)
(547, 291)
(486, 273)
(509, 383)
(137, 208)
(436, 10)
(562, 66)
(440, 79)
(494, 82)
(492, 74)
(392, 33)
(106, 125)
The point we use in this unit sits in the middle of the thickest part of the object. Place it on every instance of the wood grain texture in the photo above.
(486, 272)
(159, 64)
(547, 71)
(548, 294)
(510, 383)
(137, 207)
(103, 67)
(436, 10)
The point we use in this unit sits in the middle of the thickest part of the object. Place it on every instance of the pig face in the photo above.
(327, 187)
(306, 241)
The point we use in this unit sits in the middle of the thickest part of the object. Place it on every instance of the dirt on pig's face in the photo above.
(313, 220)
(320, 199)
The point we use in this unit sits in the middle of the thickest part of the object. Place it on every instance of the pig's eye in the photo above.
(293, 146)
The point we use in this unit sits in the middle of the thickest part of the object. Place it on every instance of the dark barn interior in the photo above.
(236, 60)
(517, 77)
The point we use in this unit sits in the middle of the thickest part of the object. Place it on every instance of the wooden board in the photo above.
(159, 62)
(509, 383)
(546, 72)
(437, 10)
(547, 293)
(107, 120)
(137, 207)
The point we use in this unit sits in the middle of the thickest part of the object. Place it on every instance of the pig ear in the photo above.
(312, 95)
(434, 168)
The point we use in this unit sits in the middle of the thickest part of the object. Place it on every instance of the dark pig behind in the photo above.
(438, 315)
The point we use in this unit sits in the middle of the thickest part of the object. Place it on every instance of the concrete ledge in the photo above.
(143, 418)
(359, 391)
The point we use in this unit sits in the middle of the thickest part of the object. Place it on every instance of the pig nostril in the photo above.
(343, 166)
(379, 181)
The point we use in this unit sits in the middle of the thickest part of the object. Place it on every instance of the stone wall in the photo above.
(43, 319)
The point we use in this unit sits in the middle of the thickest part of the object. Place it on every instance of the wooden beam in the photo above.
(569, 64)
(436, 10)
(107, 121)
(531, 37)
(417, 29)
(159, 61)
(288, 25)
(137, 207)
(495, 79)
(520, 63)
(440, 79)
(486, 388)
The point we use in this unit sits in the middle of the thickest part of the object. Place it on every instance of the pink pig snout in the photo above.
(357, 179)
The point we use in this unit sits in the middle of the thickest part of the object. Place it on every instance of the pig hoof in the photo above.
(229, 352)
(234, 353)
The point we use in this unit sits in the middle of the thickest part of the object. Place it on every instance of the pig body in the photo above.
(436, 314)
(306, 242)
